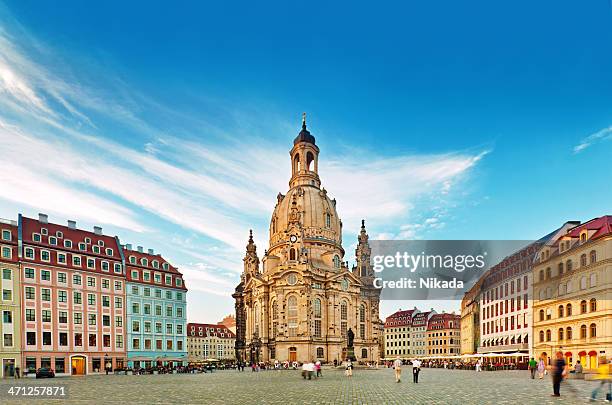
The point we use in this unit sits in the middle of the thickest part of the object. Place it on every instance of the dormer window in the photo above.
(44, 231)
(165, 266)
(88, 241)
(133, 259)
(95, 249)
(109, 251)
(155, 264)
(144, 262)
(101, 243)
(52, 240)
(68, 243)
(36, 237)
(82, 246)
(583, 237)
(59, 234)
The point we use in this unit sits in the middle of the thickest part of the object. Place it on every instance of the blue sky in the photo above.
(171, 126)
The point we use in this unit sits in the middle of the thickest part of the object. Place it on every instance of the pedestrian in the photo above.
(578, 368)
(349, 368)
(311, 369)
(533, 365)
(603, 375)
(416, 369)
(318, 369)
(17, 370)
(558, 373)
(304, 370)
(541, 368)
(479, 366)
(397, 366)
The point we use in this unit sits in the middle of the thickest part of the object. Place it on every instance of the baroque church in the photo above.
(301, 301)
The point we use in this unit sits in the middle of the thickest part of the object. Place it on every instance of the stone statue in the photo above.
(351, 336)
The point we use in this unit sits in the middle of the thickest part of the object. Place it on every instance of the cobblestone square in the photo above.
(436, 386)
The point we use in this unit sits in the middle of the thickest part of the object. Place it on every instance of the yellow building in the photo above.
(10, 328)
(470, 322)
(444, 335)
(304, 302)
(572, 289)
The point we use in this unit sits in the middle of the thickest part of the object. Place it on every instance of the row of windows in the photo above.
(158, 328)
(502, 290)
(82, 246)
(76, 260)
(505, 306)
(146, 292)
(568, 266)
(6, 235)
(145, 262)
(506, 324)
(157, 277)
(158, 344)
(62, 341)
(566, 310)
(77, 297)
(77, 279)
(568, 287)
(566, 334)
(146, 310)
(77, 317)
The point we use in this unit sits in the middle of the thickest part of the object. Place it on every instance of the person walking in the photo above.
(397, 366)
(318, 369)
(416, 369)
(603, 375)
(533, 365)
(349, 368)
(541, 368)
(17, 372)
(479, 366)
(558, 373)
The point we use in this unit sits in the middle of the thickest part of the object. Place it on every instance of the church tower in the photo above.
(304, 159)
(251, 260)
(363, 253)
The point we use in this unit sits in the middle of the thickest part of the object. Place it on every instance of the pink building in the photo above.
(73, 298)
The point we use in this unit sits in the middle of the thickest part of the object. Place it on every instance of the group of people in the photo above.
(311, 369)
(560, 372)
(416, 369)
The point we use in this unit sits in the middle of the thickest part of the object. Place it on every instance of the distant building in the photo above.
(156, 310)
(230, 322)
(10, 286)
(397, 333)
(470, 320)
(418, 334)
(572, 289)
(207, 342)
(444, 334)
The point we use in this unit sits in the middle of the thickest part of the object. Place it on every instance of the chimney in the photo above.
(128, 246)
(71, 224)
(98, 230)
(44, 218)
(151, 251)
(140, 249)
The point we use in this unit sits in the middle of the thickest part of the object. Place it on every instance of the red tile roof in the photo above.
(399, 318)
(443, 321)
(209, 330)
(139, 267)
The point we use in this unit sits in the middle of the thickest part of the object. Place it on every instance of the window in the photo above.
(169, 328)
(78, 339)
(135, 326)
(91, 319)
(179, 296)
(46, 315)
(568, 333)
(7, 295)
(61, 258)
(292, 315)
(29, 273)
(62, 296)
(168, 280)
(61, 278)
(29, 253)
(45, 275)
(109, 251)
(117, 268)
(76, 261)
(561, 310)
(169, 345)
(6, 234)
(336, 261)
(8, 340)
(45, 294)
(179, 312)
(91, 282)
(95, 249)
(179, 282)
(7, 274)
(158, 327)
(91, 299)
(168, 295)
(118, 321)
(68, 243)
(76, 279)
(144, 262)
(118, 302)
(155, 264)
(105, 301)
(93, 340)
(134, 290)
(118, 285)
(45, 256)
(31, 338)
(583, 260)
(169, 311)
(146, 276)
(135, 308)
(63, 341)
(158, 310)
(593, 328)
(63, 317)
(46, 339)
(157, 278)
(583, 332)
(105, 283)
(583, 307)
(593, 256)
(593, 304)
(36, 237)
(147, 327)
(77, 297)
(30, 315)
(146, 292)
(7, 317)
(52, 240)
(548, 335)
(119, 341)
(106, 320)
(569, 309)
(82, 246)
(91, 263)
(568, 265)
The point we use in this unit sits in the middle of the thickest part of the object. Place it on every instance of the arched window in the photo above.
(568, 310)
(362, 319)
(548, 273)
(364, 353)
(343, 318)
(583, 331)
(296, 164)
(593, 303)
(568, 333)
(583, 260)
(593, 330)
(541, 336)
(569, 265)
(320, 352)
(583, 307)
(560, 268)
(274, 318)
(337, 261)
(561, 311)
(316, 310)
(583, 282)
(593, 255)
(560, 333)
(309, 160)
(548, 335)
(292, 254)
(593, 281)
(541, 314)
(328, 220)
(292, 314)
(541, 275)
(256, 319)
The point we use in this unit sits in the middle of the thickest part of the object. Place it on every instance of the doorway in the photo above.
(8, 368)
(292, 354)
(78, 364)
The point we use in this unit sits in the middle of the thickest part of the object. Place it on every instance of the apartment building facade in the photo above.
(10, 308)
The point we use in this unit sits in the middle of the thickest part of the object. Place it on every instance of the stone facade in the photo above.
(300, 302)
(207, 342)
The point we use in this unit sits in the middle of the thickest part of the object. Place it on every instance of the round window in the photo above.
(292, 279)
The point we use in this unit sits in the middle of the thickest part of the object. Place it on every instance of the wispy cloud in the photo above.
(604, 134)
